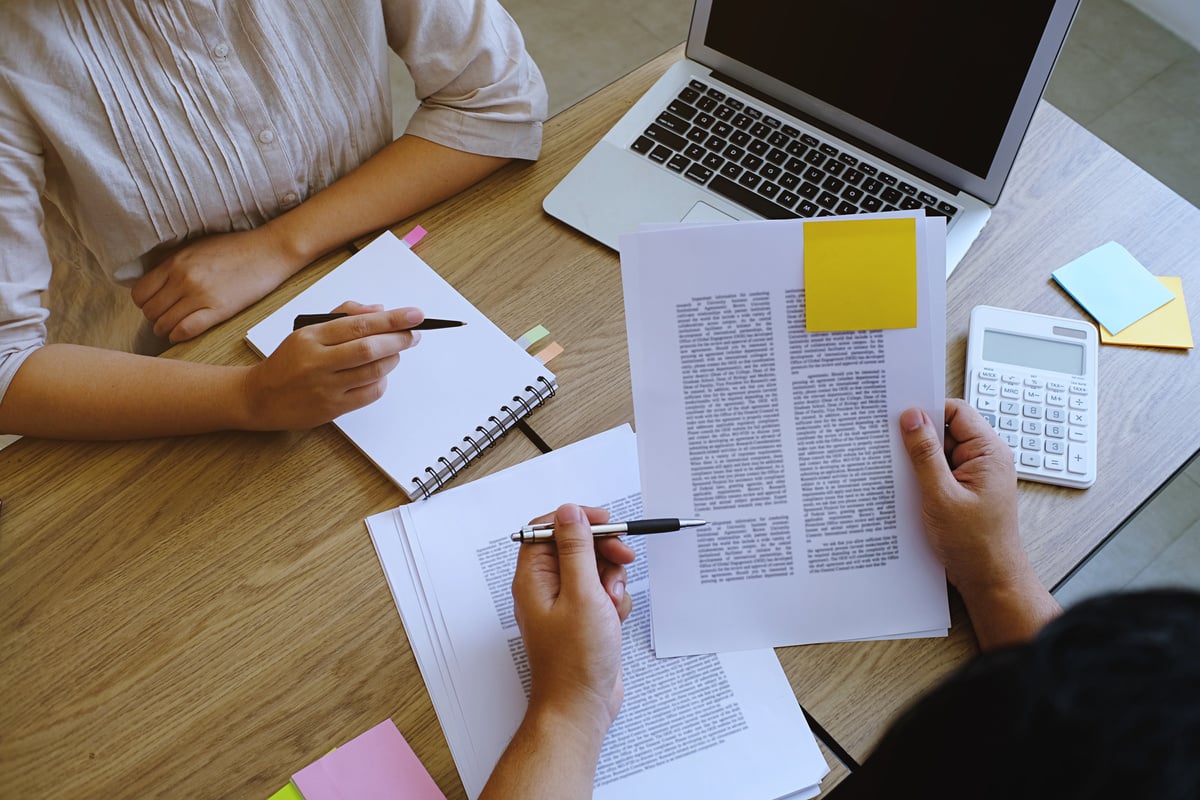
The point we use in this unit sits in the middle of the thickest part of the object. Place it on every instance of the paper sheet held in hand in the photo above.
(786, 441)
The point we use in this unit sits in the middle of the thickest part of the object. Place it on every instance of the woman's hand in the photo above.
(323, 371)
(209, 280)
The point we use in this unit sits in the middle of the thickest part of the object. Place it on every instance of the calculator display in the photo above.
(1033, 352)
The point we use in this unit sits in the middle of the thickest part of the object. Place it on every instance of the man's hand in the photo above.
(971, 512)
(570, 601)
(323, 371)
(969, 507)
(210, 280)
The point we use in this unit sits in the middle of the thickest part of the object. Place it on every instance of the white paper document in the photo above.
(709, 726)
(787, 442)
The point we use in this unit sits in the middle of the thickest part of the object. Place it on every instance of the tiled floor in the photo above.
(1160, 546)
(1137, 87)
(580, 46)
(1120, 75)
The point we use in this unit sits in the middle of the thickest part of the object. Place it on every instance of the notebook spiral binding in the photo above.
(483, 437)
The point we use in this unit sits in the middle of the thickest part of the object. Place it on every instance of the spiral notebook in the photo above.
(451, 397)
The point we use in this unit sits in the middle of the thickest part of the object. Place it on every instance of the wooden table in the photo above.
(203, 616)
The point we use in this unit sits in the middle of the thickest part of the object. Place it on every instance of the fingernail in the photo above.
(912, 419)
(618, 590)
(413, 316)
(416, 338)
(569, 513)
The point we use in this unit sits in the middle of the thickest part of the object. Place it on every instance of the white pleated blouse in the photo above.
(128, 127)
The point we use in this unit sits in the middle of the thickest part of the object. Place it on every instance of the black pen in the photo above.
(428, 324)
(544, 531)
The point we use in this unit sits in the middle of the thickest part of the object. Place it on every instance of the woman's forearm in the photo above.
(65, 391)
(408, 175)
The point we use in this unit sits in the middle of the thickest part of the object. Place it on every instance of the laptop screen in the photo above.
(945, 78)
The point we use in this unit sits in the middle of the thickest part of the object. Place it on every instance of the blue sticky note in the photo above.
(1112, 286)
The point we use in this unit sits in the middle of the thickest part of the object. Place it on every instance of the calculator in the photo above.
(1033, 378)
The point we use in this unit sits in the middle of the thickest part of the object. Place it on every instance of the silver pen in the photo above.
(544, 531)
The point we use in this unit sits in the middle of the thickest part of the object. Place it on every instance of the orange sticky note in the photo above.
(548, 352)
(860, 274)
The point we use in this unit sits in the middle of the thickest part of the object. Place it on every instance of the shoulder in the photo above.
(39, 54)
(445, 23)
(30, 33)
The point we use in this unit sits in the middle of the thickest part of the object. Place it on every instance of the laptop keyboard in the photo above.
(755, 160)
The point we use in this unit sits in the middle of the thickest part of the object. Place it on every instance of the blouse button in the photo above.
(289, 198)
(221, 51)
(266, 137)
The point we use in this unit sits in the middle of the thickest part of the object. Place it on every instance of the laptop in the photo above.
(796, 109)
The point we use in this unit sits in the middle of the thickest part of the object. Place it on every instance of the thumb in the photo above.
(576, 551)
(925, 452)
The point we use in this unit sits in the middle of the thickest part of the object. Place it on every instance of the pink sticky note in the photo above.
(414, 236)
(378, 765)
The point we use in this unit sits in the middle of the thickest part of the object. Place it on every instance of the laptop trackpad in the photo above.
(703, 212)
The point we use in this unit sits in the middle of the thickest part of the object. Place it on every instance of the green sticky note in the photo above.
(532, 336)
(860, 274)
(289, 792)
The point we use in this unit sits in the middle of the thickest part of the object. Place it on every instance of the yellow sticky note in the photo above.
(289, 792)
(860, 274)
(1166, 326)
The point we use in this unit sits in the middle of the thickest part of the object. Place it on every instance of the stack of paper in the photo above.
(770, 364)
(714, 726)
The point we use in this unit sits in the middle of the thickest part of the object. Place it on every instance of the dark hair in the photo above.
(1104, 702)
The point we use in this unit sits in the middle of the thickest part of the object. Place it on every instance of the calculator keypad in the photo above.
(1047, 422)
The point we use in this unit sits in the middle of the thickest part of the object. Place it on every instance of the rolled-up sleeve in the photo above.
(24, 259)
(479, 89)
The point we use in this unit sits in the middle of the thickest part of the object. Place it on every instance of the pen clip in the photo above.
(539, 526)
